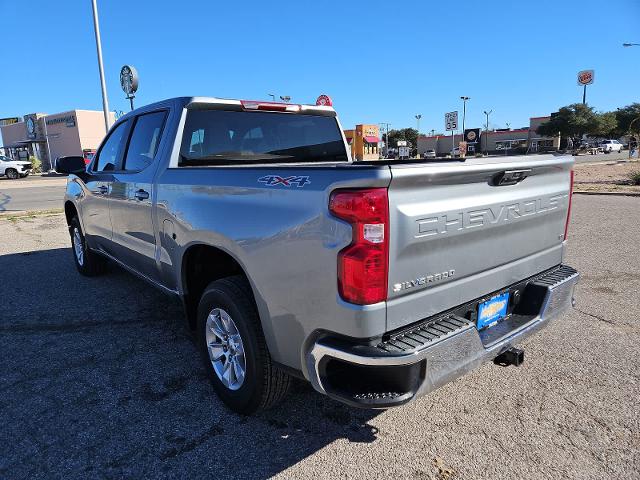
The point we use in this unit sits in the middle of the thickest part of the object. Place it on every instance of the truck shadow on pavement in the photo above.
(100, 378)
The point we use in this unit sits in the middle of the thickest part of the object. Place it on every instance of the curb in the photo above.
(610, 194)
(30, 213)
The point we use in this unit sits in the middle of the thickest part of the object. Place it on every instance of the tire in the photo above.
(88, 263)
(11, 173)
(262, 385)
(24, 175)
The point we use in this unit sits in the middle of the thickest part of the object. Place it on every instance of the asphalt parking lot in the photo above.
(100, 380)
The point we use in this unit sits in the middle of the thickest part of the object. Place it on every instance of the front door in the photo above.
(95, 214)
(131, 196)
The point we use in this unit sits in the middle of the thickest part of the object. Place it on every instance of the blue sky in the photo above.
(379, 61)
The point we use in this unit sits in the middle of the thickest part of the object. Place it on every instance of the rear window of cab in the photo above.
(213, 137)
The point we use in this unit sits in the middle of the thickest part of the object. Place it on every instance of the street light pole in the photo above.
(103, 85)
(464, 110)
(386, 141)
(273, 96)
(631, 44)
(486, 132)
(418, 117)
(508, 142)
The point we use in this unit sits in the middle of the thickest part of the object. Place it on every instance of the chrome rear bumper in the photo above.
(439, 350)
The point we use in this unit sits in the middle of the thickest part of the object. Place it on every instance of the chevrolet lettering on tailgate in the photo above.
(485, 217)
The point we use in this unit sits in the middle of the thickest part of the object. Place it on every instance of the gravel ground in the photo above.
(99, 379)
(607, 177)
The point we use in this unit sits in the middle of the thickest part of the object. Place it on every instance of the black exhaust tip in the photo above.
(513, 356)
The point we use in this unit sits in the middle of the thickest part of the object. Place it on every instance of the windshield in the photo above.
(218, 137)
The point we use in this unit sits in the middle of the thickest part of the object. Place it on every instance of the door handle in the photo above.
(141, 195)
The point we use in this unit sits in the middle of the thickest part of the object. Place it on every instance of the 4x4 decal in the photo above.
(273, 180)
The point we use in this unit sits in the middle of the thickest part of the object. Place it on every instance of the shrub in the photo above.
(635, 177)
(36, 164)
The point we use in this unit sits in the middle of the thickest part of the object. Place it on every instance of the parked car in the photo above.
(455, 152)
(429, 154)
(14, 169)
(609, 146)
(88, 155)
(377, 282)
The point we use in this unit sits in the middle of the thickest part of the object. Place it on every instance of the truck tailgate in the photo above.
(457, 234)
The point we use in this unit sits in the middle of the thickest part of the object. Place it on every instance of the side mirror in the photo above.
(70, 165)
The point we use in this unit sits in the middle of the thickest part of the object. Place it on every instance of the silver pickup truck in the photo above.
(376, 281)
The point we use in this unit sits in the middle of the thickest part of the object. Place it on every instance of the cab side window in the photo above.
(144, 141)
(108, 155)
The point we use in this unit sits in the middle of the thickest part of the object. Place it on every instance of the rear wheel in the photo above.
(234, 349)
(87, 262)
(11, 173)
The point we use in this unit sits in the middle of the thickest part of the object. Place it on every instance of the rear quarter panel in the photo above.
(283, 237)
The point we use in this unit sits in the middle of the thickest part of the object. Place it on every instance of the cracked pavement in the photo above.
(99, 379)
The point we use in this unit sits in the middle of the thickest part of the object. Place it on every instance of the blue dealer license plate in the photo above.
(492, 311)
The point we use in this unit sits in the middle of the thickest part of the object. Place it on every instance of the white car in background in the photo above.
(429, 154)
(14, 168)
(609, 146)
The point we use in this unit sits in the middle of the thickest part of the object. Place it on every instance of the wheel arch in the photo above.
(70, 211)
(202, 264)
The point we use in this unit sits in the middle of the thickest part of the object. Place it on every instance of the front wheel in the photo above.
(234, 349)
(87, 262)
(11, 173)
(24, 175)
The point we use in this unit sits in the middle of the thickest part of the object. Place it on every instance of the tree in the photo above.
(625, 117)
(573, 121)
(408, 134)
(606, 125)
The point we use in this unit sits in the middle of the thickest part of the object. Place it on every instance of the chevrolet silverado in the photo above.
(376, 281)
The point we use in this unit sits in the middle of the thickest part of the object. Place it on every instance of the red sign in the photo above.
(585, 77)
(324, 100)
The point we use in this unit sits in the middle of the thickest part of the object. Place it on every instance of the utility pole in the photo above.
(634, 136)
(486, 132)
(103, 85)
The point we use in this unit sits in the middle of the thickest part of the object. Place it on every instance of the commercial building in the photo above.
(48, 137)
(507, 141)
(364, 140)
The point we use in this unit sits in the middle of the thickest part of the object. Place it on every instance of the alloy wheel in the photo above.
(225, 348)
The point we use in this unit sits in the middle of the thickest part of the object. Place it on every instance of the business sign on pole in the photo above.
(451, 121)
(129, 80)
(402, 143)
(472, 135)
(585, 77)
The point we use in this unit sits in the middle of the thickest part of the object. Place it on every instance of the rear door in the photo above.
(459, 231)
(131, 195)
(96, 217)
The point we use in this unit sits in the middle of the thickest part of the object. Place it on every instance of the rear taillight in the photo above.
(566, 225)
(363, 265)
